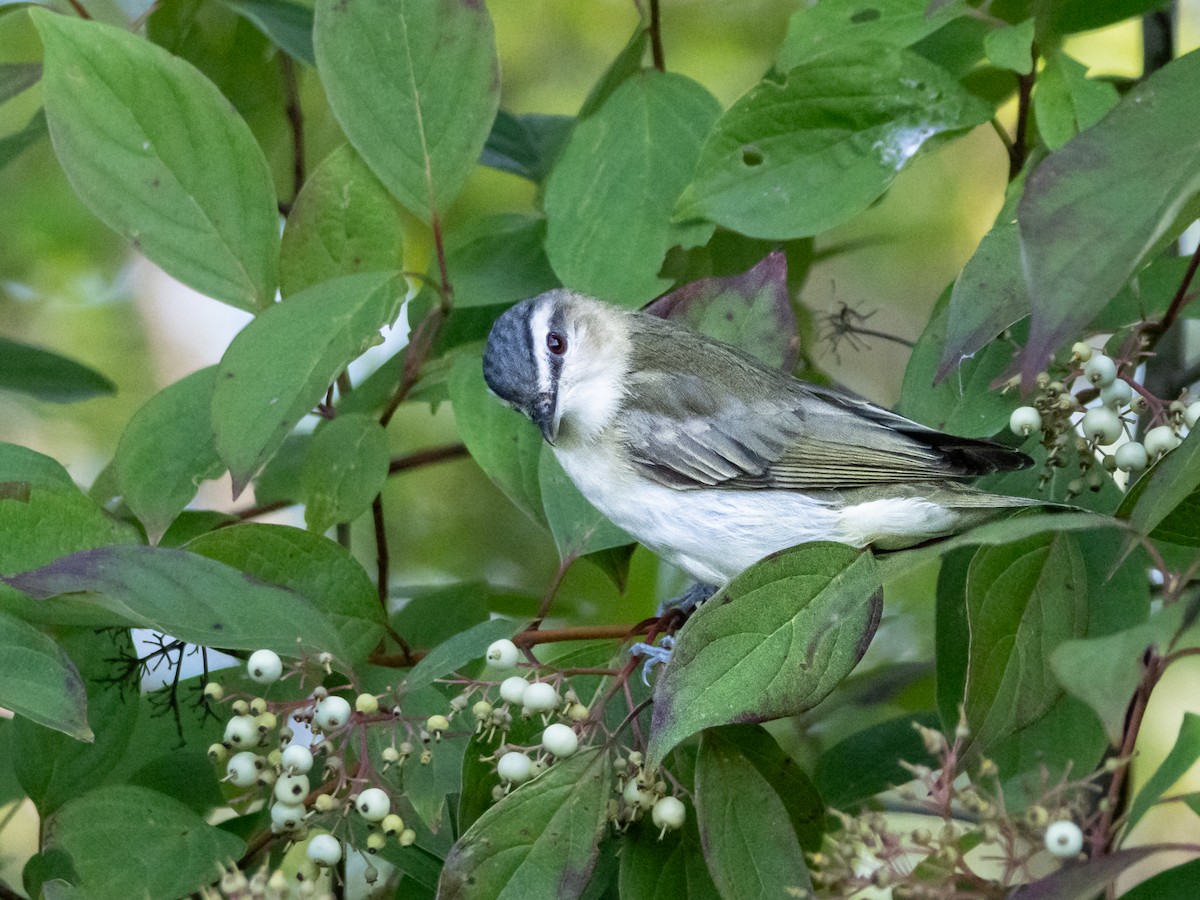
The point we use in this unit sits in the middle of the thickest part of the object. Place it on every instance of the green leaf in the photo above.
(279, 366)
(415, 85)
(451, 655)
(670, 867)
(48, 376)
(752, 310)
(166, 450)
(986, 298)
(625, 65)
(38, 680)
(964, 403)
(343, 222)
(53, 768)
(346, 468)
(1166, 506)
(198, 600)
(17, 77)
(1104, 672)
(1067, 102)
(527, 145)
(279, 480)
(772, 643)
(803, 805)
(951, 635)
(19, 463)
(309, 564)
(1023, 600)
(106, 833)
(153, 148)
(539, 841)
(835, 25)
(797, 157)
(1059, 17)
(503, 442)
(578, 527)
(610, 196)
(1176, 883)
(1094, 208)
(288, 25)
(868, 762)
(499, 260)
(1184, 752)
(1011, 47)
(435, 614)
(1085, 880)
(749, 856)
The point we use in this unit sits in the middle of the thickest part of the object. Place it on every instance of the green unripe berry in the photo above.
(1081, 352)
(367, 704)
(213, 692)
(392, 824)
(437, 724)
(375, 842)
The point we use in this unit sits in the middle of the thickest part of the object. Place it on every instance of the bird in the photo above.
(712, 459)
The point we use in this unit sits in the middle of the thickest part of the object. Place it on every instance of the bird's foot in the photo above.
(653, 655)
(687, 602)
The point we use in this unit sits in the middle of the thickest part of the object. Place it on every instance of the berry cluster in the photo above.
(1067, 422)
(980, 848)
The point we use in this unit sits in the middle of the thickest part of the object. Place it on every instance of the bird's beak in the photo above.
(545, 416)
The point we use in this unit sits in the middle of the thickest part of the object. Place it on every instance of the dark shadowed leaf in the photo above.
(834, 25)
(749, 855)
(192, 598)
(868, 762)
(499, 260)
(1023, 599)
(797, 157)
(346, 467)
(343, 222)
(16, 77)
(154, 149)
(167, 450)
(752, 311)
(48, 376)
(526, 145)
(107, 831)
(1177, 883)
(1059, 17)
(288, 25)
(39, 681)
(13, 145)
(773, 643)
(1166, 506)
(279, 366)
(1093, 209)
(610, 196)
(670, 867)
(540, 841)
(415, 85)
(313, 566)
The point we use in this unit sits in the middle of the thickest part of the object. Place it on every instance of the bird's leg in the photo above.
(687, 602)
(671, 614)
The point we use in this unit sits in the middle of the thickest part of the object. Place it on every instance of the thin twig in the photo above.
(295, 117)
(79, 8)
(551, 591)
(1020, 145)
(584, 633)
(382, 559)
(427, 457)
(656, 45)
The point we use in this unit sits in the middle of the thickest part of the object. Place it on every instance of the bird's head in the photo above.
(561, 358)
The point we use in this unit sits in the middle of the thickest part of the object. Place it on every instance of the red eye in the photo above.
(556, 343)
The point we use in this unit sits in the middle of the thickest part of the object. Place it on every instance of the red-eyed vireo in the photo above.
(713, 460)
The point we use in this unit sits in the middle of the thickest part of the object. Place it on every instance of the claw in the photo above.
(659, 655)
(687, 602)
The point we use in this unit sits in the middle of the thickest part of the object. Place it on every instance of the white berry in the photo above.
(332, 713)
(512, 689)
(635, 795)
(291, 788)
(1116, 395)
(296, 760)
(325, 850)
(1100, 370)
(1024, 421)
(242, 769)
(1101, 424)
(1160, 440)
(502, 654)
(669, 812)
(1063, 838)
(287, 816)
(1191, 415)
(1132, 457)
(373, 804)
(514, 767)
(560, 740)
(241, 731)
(264, 666)
(540, 697)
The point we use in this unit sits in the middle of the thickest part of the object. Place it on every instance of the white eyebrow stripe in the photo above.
(539, 325)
